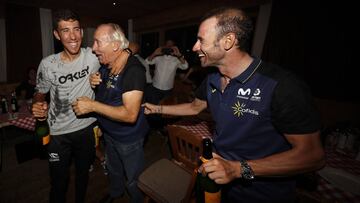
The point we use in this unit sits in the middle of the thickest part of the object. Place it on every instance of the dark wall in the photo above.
(317, 42)
(2, 11)
(185, 38)
(23, 36)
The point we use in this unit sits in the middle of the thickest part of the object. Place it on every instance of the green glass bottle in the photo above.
(42, 131)
(208, 191)
(14, 103)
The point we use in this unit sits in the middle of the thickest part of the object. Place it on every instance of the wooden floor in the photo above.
(28, 182)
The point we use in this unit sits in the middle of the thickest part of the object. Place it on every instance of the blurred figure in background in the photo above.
(167, 59)
(135, 48)
(26, 88)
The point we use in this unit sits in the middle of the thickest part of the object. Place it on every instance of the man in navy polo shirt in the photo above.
(267, 129)
(117, 102)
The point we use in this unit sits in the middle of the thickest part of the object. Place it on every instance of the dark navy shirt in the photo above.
(110, 92)
(251, 115)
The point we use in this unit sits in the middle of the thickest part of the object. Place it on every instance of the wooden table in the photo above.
(22, 119)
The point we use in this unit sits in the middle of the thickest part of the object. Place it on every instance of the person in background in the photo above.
(26, 88)
(135, 48)
(267, 128)
(167, 59)
(120, 115)
(66, 76)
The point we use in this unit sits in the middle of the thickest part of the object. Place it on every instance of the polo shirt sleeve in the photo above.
(201, 92)
(135, 78)
(293, 109)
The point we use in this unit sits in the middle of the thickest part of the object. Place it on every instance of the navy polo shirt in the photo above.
(110, 92)
(251, 116)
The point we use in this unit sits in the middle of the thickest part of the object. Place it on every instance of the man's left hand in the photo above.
(176, 51)
(220, 170)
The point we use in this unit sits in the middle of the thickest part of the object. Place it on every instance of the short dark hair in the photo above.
(232, 20)
(65, 15)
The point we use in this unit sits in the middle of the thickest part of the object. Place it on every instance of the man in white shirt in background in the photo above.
(167, 59)
(135, 48)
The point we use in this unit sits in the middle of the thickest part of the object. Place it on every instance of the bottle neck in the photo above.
(207, 149)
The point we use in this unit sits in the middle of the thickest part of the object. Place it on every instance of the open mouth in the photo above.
(99, 56)
(200, 55)
(73, 44)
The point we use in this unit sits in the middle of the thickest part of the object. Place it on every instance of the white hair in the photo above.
(118, 35)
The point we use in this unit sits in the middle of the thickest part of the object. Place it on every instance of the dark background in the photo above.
(316, 40)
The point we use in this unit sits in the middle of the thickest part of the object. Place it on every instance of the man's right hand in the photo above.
(95, 79)
(40, 109)
(151, 108)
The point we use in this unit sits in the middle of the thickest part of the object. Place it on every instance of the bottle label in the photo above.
(97, 135)
(46, 139)
(13, 107)
(212, 197)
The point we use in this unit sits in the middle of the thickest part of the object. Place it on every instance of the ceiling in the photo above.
(123, 9)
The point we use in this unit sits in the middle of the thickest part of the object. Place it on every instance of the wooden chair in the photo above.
(172, 181)
(186, 147)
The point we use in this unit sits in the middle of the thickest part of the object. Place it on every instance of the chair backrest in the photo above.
(186, 147)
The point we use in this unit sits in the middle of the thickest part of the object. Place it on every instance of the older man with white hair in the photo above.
(118, 106)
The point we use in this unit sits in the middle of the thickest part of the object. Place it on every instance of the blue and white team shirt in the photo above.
(251, 115)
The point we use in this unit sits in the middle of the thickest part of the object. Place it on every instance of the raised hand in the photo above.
(95, 79)
(176, 51)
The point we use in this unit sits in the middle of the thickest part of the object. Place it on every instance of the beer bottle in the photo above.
(42, 131)
(14, 103)
(207, 190)
(4, 105)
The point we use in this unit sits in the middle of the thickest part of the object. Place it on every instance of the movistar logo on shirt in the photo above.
(253, 95)
(240, 109)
